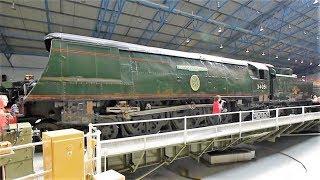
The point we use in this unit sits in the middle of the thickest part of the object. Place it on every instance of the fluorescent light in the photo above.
(13, 6)
(261, 28)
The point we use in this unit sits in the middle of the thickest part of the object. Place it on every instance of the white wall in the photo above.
(23, 64)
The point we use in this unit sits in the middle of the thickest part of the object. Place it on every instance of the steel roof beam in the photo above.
(257, 21)
(44, 22)
(64, 13)
(228, 17)
(281, 26)
(225, 25)
(187, 25)
(100, 18)
(47, 15)
(162, 16)
(114, 17)
(197, 27)
(6, 49)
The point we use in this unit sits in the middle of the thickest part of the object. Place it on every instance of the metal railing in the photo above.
(39, 171)
(185, 135)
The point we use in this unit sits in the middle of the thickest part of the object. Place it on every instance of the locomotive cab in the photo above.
(260, 77)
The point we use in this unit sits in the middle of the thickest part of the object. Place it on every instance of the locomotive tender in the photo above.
(97, 80)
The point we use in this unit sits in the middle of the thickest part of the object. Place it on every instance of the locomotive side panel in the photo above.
(78, 71)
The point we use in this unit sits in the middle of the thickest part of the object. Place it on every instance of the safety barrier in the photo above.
(39, 171)
(97, 150)
(247, 121)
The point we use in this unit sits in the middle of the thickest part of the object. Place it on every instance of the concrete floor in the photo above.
(269, 163)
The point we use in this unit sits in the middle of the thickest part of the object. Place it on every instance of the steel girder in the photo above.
(154, 26)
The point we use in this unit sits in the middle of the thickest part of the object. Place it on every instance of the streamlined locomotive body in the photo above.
(97, 80)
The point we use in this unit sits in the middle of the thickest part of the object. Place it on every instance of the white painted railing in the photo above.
(112, 147)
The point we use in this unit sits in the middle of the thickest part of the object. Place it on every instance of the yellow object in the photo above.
(4, 145)
(89, 165)
(63, 152)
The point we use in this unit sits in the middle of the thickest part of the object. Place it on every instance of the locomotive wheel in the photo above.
(154, 127)
(197, 122)
(135, 128)
(109, 132)
(191, 123)
(179, 123)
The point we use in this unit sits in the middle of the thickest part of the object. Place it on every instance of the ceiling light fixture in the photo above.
(277, 56)
(319, 65)
(289, 26)
(187, 40)
(304, 32)
(263, 54)
(221, 46)
(247, 50)
(295, 60)
(310, 64)
(13, 6)
(220, 30)
(218, 4)
(289, 59)
(302, 62)
(315, 2)
(317, 37)
(261, 29)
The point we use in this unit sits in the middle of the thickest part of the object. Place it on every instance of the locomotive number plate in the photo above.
(194, 82)
(260, 115)
(261, 86)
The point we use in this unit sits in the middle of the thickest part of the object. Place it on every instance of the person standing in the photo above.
(217, 109)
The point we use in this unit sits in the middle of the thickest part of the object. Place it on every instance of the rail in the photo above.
(246, 122)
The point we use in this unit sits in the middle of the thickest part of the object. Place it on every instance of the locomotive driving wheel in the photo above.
(155, 126)
(134, 129)
(109, 132)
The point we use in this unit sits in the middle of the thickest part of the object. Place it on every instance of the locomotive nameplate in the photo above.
(194, 82)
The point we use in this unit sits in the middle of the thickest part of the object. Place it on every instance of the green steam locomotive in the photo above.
(97, 80)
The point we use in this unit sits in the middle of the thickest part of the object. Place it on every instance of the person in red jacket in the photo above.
(216, 106)
(5, 116)
(217, 109)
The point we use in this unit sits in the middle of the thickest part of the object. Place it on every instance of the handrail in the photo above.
(199, 116)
